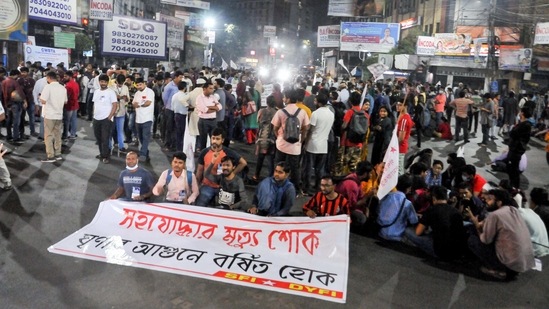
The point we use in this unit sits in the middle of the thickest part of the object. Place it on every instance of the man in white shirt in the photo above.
(180, 104)
(53, 99)
(105, 104)
(36, 91)
(5, 178)
(143, 102)
(322, 120)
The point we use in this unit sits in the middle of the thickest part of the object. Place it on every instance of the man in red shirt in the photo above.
(440, 102)
(71, 108)
(469, 175)
(404, 127)
(326, 202)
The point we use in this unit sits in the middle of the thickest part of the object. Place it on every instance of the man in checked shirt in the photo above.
(327, 202)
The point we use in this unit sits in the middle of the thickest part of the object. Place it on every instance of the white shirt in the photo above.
(102, 103)
(344, 95)
(180, 103)
(144, 114)
(538, 232)
(322, 120)
(55, 96)
(38, 87)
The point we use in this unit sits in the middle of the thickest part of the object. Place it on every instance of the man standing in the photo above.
(290, 151)
(275, 195)
(14, 103)
(503, 242)
(404, 128)
(487, 111)
(317, 143)
(71, 108)
(27, 83)
(180, 104)
(327, 202)
(104, 107)
(5, 178)
(207, 106)
(169, 117)
(222, 99)
(461, 106)
(209, 167)
(519, 137)
(53, 99)
(143, 103)
(179, 183)
(134, 183)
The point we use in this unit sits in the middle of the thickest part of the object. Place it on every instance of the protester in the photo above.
(275, 195)
(179, 184)
(134, 183)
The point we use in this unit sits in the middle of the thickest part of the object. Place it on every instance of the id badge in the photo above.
(136, 191)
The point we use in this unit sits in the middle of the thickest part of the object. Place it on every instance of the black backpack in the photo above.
(358, 126)
(292, 127)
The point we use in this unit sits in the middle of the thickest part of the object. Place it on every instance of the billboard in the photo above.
(134, 37)
(54, 11)
(542, 34)
(189, 3)
(452, 44)
(14, 20)
(176, 30)
(505, 34)
(328, 36)
(269, 31)
(425, 46)
(35, 53)
(193, 20)
(348, 8)
(371, 37)
(101, 9)
(515, 60)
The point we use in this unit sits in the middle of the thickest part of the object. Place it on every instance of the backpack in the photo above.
(189, 178)
(358, 127)
(292, 127)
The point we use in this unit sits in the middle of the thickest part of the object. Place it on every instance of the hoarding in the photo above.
(425, 46)
(369, 37)
(134, 37)
(43, 54)
(453, 44)
(54, 11)
(14, 20)
(176, 30)
(542, 34)
(192, 20)
(515, 60)
(269, 31)
(348, 8)
(328, 36)
(101, 9)
(189, 3)
(504, 34)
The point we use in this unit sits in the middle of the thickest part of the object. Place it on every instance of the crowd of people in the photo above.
(315, 134)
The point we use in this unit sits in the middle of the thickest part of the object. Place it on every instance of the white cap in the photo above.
(200, 81)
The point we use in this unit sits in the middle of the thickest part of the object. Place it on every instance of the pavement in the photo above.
(52, 200)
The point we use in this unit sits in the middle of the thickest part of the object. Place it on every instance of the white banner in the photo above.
(134, 37)
(369, 37)
(295, 255)
(542, 34)
(267, 91)
(425, 45)
(192, 20)
(101, 9)
(46, 54)
(269, 31)
(176, 30)
(328, 36)
(389, 179)
(54, 11)
(189, 3)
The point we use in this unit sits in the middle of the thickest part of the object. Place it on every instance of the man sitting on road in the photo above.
(134, 183)
(275, 195)
(179, 184)
(232, 194)
(209, 167)
(326, 202)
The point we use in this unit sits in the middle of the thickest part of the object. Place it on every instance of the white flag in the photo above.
(353, 72)
(461, 152)
(389, 178)
(340, 61)
(233, 65)
(224, 64)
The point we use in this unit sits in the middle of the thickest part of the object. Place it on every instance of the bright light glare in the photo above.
(209, 22)
(263, 72)
(283, 75)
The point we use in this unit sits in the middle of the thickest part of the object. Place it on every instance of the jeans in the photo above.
(30, 113)
(144, 135)
(449, 112)
(315, 170)
(205, 128)
(423, 242)
(69, 123)
(513, 160)
(293, 162)
(485, 253)
(131, 126)
(485, 133)
(180, 125)
(169, 133)
(89, 103)
(102, 130)
(118, 132)
(261, 159)
(439, 116)
(461, 123)
(473, 119)
(14, 119)
(206, 196)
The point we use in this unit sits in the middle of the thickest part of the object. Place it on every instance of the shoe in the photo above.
(34, 134)
(8, 188)
(466, 141)
(17, 141)
(136, 143)
(105, 160)
(482, 145)
(58, 158)
(98, 156)
(493, 138)
(73, 137)
(25, 137)
(48, 160)
(501, 275)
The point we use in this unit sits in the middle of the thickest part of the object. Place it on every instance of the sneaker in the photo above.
(34, 134)
(106, 161)
(98, 156)
(73, 137)
(500, 275)
(48, 160)
(58, 158)
(8, 188)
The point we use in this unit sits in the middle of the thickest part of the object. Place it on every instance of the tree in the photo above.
(407, 45)
(82, 43)
(230, 43)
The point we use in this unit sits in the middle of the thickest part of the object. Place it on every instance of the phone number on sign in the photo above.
(135, 35)
(101, 14)
(134, 50)
(51, 4)
(135, 43)
(46, 12)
